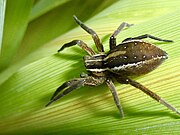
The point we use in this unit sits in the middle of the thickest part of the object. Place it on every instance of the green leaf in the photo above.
(91, 110)
(16, 20)
(42, 30)
(43, 6)
(2, 12)
(55, 23)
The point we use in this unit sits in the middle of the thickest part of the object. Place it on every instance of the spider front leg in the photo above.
(147, 36)
(148, 92)
(92, 33)
(70, 86)
(111, 86)
(112, 40)
(81, 44)
(75, 84)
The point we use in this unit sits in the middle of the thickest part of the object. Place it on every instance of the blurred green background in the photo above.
(31, 32)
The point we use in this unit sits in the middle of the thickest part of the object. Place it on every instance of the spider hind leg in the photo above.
(112, 40)
(147, 36)
(150, 93)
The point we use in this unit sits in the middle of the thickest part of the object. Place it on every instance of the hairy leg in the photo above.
(147, 36)
(148, 92)
(71, 85)
(112, 40)
(92, 33)
(81, 44)
(111, 86)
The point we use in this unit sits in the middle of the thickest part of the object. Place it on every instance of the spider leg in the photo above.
(75, 84)
(81, 44)
(151, 94)
(92, 33)
(147, 36)
(112, 40)
(72, 85)
(111, 86)
(63, 86)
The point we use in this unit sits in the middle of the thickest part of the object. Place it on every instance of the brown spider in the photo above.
(131, 57)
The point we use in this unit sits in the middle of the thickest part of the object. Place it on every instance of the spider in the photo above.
(132, 57)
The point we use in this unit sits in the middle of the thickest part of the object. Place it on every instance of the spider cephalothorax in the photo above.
(131, 57)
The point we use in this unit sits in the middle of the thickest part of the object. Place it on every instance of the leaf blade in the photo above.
(92, 110)
(13, 32)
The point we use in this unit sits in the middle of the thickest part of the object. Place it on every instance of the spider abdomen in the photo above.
(135, 57)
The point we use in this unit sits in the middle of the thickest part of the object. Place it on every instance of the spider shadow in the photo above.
(129, 111)
(106, 99)
(77, 58)
(133, 112)
(76, 54)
